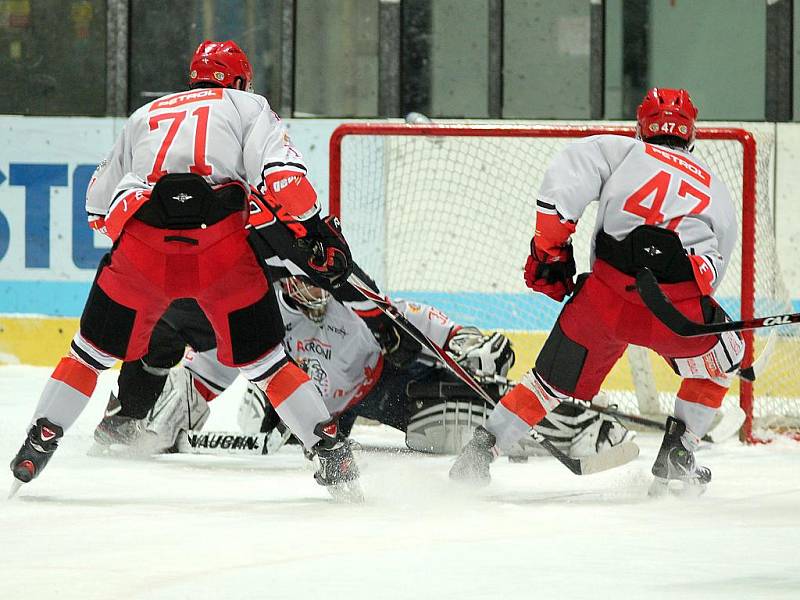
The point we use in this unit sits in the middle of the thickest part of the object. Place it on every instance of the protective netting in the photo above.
(447, 220)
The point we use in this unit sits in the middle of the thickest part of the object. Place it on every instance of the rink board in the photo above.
(48, 256)
(40, 340)
(35, 340)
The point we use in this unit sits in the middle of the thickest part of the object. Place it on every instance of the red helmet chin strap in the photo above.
(221, 63)
(666, 112)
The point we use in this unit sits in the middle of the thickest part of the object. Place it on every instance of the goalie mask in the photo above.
(666, 113)
(310, 299)
(221, 63)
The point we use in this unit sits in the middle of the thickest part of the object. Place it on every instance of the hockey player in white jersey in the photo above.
(173, 195)
(661, 208)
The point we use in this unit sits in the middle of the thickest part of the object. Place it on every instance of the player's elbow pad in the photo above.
(97, 223)
(552, 233)
(293, 193)
(703, 273)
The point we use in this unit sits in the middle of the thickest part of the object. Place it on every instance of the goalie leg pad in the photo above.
(577, 431)
(180, 407)
(565, 423)
(252, 409)
(256, 415)
(442, 415)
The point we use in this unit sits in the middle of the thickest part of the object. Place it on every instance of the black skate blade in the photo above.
(15, 485)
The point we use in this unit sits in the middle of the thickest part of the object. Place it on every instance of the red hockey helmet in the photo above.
(666, 112)
(221, 63)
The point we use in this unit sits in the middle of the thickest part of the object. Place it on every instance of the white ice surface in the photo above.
(259, 527)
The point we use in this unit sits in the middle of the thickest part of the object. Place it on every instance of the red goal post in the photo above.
(747, 167)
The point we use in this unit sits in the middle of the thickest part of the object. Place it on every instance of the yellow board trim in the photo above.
(36, 340)
(778, 380)
(42, 341)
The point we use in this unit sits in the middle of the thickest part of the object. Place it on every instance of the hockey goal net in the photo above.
(443, 214)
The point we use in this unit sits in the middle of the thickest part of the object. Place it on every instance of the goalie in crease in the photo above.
(661, 208)
(363, 366)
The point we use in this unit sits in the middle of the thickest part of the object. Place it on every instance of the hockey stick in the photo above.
(752, 372)
(661, 306)
(615, 456)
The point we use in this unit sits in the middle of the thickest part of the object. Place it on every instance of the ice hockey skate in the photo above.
(35, 452)
(337, 470)
(122, 435)
(675, 469)
(472, 465)
(339, 473)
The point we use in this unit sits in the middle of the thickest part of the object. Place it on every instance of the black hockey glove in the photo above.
(399, 348)
(551, 275)
(326, 250)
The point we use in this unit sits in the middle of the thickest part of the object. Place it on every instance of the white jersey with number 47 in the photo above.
(637, 184)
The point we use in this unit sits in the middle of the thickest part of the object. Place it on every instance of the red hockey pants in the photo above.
(150, 267)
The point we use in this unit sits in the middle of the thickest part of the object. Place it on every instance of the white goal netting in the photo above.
(445, 216)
